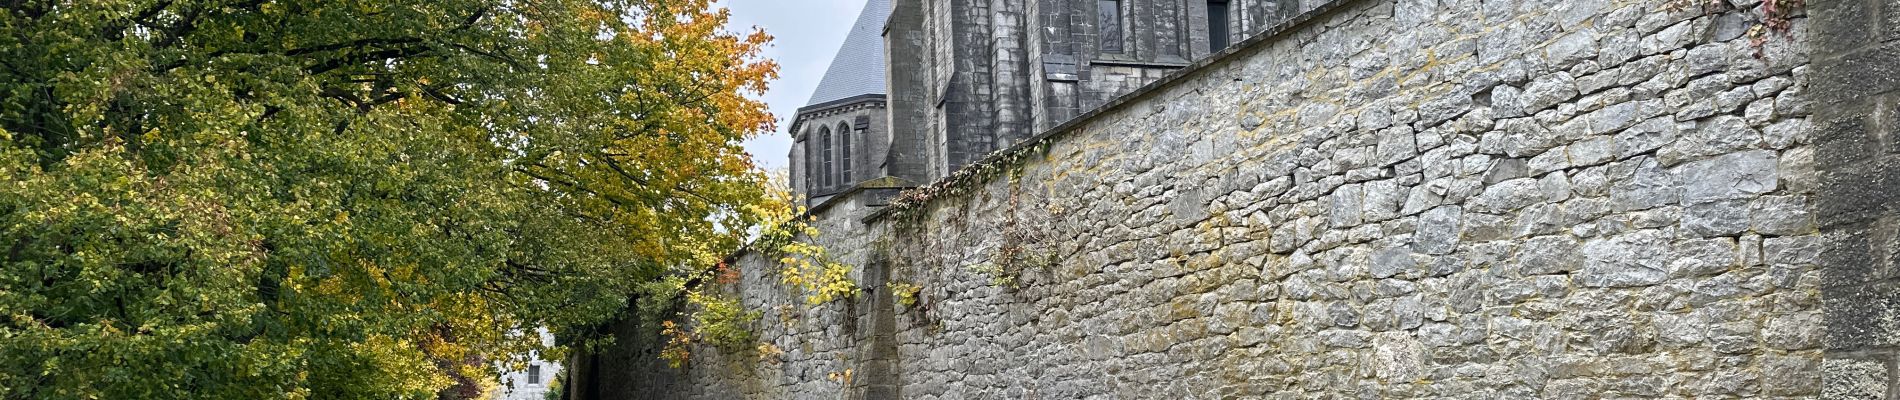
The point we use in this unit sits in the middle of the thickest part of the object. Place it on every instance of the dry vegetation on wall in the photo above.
(1777, 17)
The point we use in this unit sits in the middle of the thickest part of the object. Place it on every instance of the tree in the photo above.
(353, 199)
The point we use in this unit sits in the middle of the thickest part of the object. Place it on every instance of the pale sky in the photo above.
(806, 34)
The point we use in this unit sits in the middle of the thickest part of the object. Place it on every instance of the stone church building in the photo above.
(1292, 199)
(975, 77)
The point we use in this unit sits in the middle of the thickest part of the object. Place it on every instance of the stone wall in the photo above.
(1402, 198)
(1857, 146)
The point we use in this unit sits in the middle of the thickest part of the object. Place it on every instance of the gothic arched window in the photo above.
(824, 148)
(844, 153)
(811, 163)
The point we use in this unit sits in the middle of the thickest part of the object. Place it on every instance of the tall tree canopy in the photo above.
(352, 198)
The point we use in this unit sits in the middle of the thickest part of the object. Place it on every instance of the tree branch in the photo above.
(504, 59)
(381, 55)
(435, 92)
(616, 200)
(353, 44)
(618, 169)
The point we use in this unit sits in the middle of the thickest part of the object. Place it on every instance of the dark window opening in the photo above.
(1110, 12)
(844, 152)
(824, 138)
(1217, 25)
(534, 374)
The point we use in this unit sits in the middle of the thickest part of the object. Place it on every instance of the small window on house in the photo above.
(1217, 25)
(534, 374)
(844, 153)
(824, 149)
(1110, 23)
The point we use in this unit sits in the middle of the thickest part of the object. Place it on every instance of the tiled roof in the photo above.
(858, 69)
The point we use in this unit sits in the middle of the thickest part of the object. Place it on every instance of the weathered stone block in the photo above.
(1704, 258)
(1854, 379)
(1570, 49)
(1548, 91)
(1347, 208)
(1642, 184)
(1859, 75)
(1846, 139)
(1631, 260)
(1730, 176)
(1862, 317)
(1508, 196)
(1795, 332)
(1505, 169)
(1781, 215)
(1716, 218)
(1719, 135)
(1553, 160)
(1649, 135)
(1548, 255)
(1842, 24)
(1858, 193)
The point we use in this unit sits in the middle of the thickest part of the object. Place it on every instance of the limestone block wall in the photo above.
(1566, 199)
(1400, 199)
(820, 344)
(1857, 146)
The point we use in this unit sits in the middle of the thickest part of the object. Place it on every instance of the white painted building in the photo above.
(532, 383)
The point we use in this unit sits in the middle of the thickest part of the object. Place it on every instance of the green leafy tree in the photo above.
(355, 198)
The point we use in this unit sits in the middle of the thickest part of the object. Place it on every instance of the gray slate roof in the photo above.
(858, 69)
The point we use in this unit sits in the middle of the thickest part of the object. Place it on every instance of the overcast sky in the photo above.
(806, 34)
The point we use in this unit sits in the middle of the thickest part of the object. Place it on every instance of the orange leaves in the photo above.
(679, 343)
(727, 273)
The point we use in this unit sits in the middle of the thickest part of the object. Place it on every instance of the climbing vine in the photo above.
(1021, 248)
(908, 202)
(1006, 264)
(999, 275)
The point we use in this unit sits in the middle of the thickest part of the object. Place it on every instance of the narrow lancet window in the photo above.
(824, 140)
(811, 162)
(1110, 23)
(844, 153)
(1217, 25)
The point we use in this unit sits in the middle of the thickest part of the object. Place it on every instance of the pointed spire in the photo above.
(858, 69)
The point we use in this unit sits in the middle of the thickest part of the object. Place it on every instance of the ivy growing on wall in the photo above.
(907, 203)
